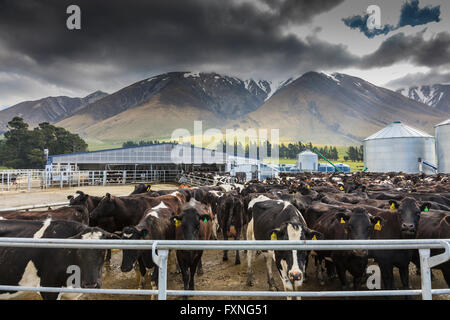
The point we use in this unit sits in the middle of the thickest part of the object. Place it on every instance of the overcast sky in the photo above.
(121, 42)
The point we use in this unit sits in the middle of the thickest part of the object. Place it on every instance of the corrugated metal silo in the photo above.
(443, 146)
(307, 161)
(397, 148)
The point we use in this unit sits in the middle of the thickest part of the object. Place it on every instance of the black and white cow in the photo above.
(156, 224)
(279, 220)
(48, 267)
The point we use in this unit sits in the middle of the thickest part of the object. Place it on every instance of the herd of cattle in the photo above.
(292, 207)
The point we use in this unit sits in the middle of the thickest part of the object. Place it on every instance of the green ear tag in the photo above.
(426, 209)
(205, 220)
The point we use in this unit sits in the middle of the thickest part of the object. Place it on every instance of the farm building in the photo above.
(163, 156)
(399, 148)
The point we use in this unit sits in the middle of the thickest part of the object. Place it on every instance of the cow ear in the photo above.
(393, 205)
(108, 196)
(69, 197)
(205, 217)
(342, 217)
(275, 234)
(176, 220)
(377, 222)
(79, 192)
(425, 207)
(118, 233)
(363, 188)
(313, 234)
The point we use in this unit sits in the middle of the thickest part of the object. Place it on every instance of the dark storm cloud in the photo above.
(156, 36)
(410, 15)
(415, 49)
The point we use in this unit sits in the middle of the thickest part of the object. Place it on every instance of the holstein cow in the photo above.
(48, 267)
(358, 225)
(72, 213)
(401, 222)
(279, 220)
(155, 225)
(194, 223)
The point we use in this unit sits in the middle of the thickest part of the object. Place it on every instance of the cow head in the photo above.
(91, 261)
(189, 222)
(129, 257)
(141, 188)
(409, 214)
(359, 225)
(104, 208)
(79, 200)
(291, 264)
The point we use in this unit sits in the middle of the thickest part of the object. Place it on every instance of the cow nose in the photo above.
(408, 227)
(95, 285)
(295, 275)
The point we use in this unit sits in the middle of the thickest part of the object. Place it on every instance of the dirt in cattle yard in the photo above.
(11, 199)
(225, 275)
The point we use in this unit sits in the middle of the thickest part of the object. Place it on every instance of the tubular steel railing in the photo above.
(160, 251)
(41, 179)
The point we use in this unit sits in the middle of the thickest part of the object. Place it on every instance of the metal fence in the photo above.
(41, 179)
(160, 251)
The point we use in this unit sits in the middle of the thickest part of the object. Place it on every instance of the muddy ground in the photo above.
(218, 275)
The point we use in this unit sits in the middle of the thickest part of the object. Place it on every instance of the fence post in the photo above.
(124, 179)
(104, 178)
(61, 181)
(162, 274)
(3, 176)
(29, 181)
(425, 274)
(8, 181)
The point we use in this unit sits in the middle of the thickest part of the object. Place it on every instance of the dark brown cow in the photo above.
(194, 223)
(357, 225)
(72, 213)
(435, 224)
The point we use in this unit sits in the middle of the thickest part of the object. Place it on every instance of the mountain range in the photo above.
(325, 109)
(437, 95)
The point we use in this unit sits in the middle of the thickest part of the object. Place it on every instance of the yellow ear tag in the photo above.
(341, 188)
(342, 220)
(148, 189)
(377, 226)
(308, 186)
(393, 209)
(177, 223)
(314, 238)
(273, 236)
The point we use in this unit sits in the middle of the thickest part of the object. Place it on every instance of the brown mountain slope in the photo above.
(337, 109)
(50, 109)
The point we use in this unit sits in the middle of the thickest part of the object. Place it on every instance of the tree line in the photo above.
(286, 151)
(23, 148)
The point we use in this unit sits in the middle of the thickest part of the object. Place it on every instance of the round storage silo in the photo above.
(443, 146)
(398, 148)
(307, 161)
